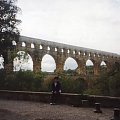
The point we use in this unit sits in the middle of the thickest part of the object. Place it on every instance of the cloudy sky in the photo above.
(86, 23)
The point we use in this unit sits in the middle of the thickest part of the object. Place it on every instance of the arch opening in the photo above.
(70, 64)
(55, 49)
(48, 63)
(89, 67)
(23, 62)
(14, 43)
(1, 62)
(68, 51)
(103, 67)
(32, 45)
(48, 48)
(23, 44)
(62, 50)
(41, 47)
(74, 52)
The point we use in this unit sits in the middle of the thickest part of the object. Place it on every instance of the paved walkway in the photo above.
(24, 110)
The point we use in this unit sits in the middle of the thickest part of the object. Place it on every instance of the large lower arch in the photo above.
(108, 65)
(70, 63)
(22, 61)
(89, 67)
(1, 62)
(103, 67)
(48, 63)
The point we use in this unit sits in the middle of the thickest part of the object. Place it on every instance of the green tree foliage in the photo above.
(89, 70)
(8, 26)
(114, 83)
(107, 83)
(100, 86)
(73, 85)
(70, 72)
(38, 81)
(2, 78)
(24, 80)
(29, 81)
(21, 81)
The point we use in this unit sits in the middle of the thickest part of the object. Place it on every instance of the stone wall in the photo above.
(65, 98)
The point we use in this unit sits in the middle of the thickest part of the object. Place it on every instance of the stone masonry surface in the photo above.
(25, 110)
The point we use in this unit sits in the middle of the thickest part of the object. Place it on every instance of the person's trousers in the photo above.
(55, 97)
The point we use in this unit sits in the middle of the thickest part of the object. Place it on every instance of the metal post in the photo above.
(97, 108)
(116, 114)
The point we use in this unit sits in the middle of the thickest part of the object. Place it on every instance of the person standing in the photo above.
(56, 90)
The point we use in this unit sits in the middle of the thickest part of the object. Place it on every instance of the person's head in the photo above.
(56, 79)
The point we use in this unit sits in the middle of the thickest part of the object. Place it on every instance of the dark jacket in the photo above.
(56, 88)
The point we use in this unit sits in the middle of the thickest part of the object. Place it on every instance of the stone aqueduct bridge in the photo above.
(60, 52)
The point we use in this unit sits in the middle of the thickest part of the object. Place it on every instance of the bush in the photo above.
(114, 85)
(10, 82)
(38, 81)
(100, 86)
(73, 85)
(24, 80)
(107, 84)
(21, 81)
(46, 84)
(2, 78)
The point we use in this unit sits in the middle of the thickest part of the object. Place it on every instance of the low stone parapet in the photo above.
(106, 101)
(65, 98)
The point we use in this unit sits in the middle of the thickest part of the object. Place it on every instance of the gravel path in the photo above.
(24, 110)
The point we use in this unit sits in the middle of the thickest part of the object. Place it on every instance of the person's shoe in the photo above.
(52, 103)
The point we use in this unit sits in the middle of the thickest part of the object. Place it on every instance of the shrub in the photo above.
(37, 81)
(114, 85)
(21, 81)
(100, 86)
(2, 78)
(107, 83)
(73, 85)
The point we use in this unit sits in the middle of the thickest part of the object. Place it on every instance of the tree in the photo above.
(108, 83)
(8, 26)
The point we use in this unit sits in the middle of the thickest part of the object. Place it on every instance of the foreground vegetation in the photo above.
(29, 81)
(106, 84)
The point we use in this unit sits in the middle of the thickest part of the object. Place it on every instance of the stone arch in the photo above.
(103, 63)
(89, 67)
(55, 49)
(1, 62)
(103, 67)
(23, 61)
(108, 65)
(89, 62)
(48, 48)
(23, 44)
(14, 43)
(48, 63)
(41, 47)
(32, 45)
(70, 63)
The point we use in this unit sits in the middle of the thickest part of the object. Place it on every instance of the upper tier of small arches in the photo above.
(34, 43)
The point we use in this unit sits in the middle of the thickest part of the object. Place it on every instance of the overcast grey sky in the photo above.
(86, 23)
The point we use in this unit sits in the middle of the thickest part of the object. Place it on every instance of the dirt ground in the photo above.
(25, 110)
